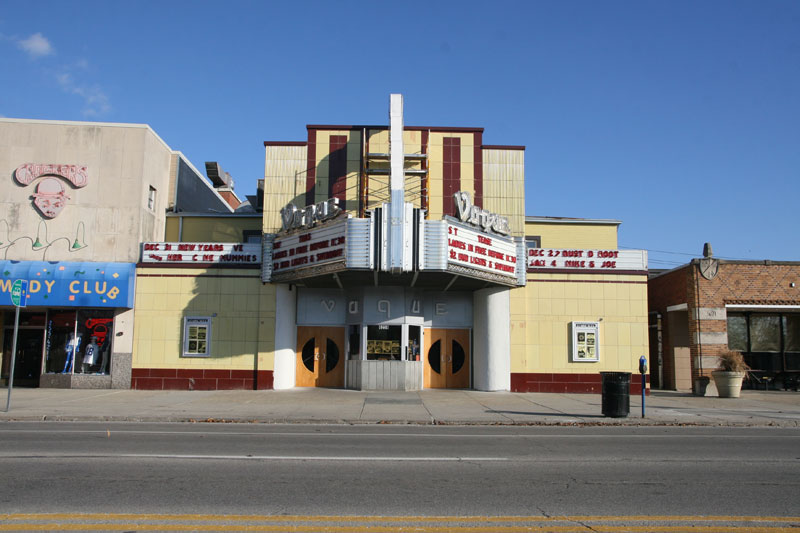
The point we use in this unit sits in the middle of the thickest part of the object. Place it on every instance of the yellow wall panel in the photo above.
(574, 235)
(238, 337)
(552, 301)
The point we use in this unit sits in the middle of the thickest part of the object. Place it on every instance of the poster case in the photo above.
(585, 342)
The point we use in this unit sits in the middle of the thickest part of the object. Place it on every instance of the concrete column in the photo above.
(285, 337)
(491, 340)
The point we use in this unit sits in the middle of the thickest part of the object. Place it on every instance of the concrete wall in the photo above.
(109, 216)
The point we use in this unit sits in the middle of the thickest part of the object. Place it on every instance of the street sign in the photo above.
(19, 292)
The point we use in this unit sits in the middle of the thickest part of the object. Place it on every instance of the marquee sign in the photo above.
(201, 253)
(318, 246)
(476, 216)
(543, 259)
(70, 284)
(293, 218)
(481, 251)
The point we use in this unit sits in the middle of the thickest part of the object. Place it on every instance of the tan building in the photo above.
(394, 257)
(78, 200)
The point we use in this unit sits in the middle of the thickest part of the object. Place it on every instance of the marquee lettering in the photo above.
(481, 218)
(293, 218)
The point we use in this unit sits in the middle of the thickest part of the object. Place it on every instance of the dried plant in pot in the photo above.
(730, 374)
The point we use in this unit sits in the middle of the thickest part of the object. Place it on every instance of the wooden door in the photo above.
(435, 372)
(447, 358)
(458, 359)
(320, 357)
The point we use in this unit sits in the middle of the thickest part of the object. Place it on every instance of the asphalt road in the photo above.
(418, 472)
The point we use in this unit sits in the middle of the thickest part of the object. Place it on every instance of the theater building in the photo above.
(78, 199)
(393, 257)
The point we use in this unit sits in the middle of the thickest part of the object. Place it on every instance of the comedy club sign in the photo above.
(188, 253)
(70, 284)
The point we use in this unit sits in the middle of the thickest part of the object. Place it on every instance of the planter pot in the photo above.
(729, 384)
(700, 385)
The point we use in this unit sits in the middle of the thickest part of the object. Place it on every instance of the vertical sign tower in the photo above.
(396, 184)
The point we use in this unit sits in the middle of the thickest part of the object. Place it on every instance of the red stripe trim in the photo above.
(337, 169)
(200, 379)
(478, 172)
(193, 276)
(501, 147)
(445, 129)
(197, 265)
(451, 170)
(624, 273)
(311, 165)
(568, 383)
(285, 143)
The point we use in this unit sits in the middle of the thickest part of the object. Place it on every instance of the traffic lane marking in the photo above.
(400, 518)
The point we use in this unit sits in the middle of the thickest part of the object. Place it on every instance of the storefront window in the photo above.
(96, 329)
(60, 343)
(413, 342)
(383, 343)
(791, 332)
(737, 332)
(770, 342)
(765, 333)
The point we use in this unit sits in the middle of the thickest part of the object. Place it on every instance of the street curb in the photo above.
(617, 422)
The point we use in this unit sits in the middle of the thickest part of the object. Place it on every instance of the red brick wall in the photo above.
(199, 379)
(736, 282)
(749, 283)
(567, 383)
(664, 291)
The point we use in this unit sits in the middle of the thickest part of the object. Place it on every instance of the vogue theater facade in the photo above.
(401, 259)
(379, 258)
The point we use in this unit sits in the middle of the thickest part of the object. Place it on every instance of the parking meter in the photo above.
(643, 372)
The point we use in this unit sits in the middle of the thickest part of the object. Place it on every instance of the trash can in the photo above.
(616, 393)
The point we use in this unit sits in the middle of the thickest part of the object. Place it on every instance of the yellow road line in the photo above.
(417, 518)
(372, 529)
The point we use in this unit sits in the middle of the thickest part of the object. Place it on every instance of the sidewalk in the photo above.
(336, 406)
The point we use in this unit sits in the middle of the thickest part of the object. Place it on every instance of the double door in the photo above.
(447, 357)
(320, 356)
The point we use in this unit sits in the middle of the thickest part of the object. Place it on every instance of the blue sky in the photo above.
(680, 118)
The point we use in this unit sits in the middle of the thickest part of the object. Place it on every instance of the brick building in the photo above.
(711, 305)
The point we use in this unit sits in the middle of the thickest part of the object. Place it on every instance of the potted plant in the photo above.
(730, 374)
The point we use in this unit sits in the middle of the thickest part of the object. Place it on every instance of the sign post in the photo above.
(643, 372)
(19, 293)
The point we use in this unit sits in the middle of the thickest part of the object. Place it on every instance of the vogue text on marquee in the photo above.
(481, 218)
(293, 218)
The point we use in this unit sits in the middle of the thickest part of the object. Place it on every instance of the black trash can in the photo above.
(616, 394)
